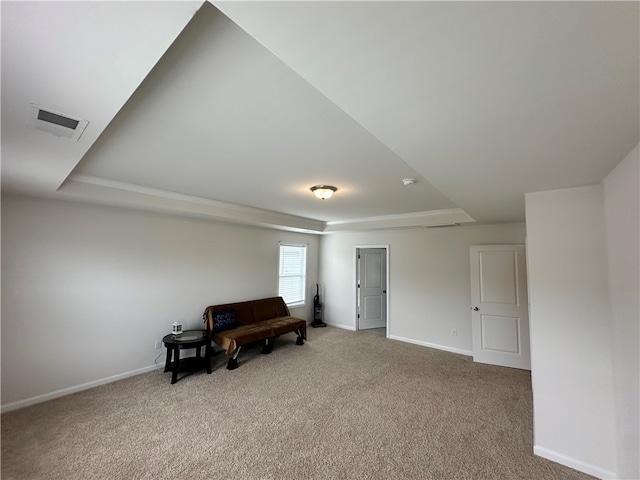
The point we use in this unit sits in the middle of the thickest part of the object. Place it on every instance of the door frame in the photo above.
(355, 283)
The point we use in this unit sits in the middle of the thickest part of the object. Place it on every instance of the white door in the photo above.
(500, 308)
(372, 288)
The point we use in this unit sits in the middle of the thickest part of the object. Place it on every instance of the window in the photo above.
(292, 273)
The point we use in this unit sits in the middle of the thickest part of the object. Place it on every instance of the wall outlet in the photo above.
(454, 332)
(158, 344)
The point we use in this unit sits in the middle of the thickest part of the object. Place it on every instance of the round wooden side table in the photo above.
(187, 339)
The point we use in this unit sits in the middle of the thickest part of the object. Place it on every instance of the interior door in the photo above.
(500, 307)
(372, 288)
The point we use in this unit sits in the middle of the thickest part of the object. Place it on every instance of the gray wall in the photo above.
(621, 191)
(87, 290)
(584, 285)
(429, 280)
(571, 357)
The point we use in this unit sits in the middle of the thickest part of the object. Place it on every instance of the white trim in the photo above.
(293, 244)
(341, 325)
(403, 216)
(407, 220)
(122, 194)
(573, 463)
(459, 351)
(78, 388)
(103, 191)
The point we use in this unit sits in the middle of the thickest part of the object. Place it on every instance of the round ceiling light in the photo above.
(323, 191)
(408, 181)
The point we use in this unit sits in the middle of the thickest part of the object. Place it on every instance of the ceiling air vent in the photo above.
(56, 123)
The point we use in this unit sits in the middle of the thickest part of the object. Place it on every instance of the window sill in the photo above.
(296, 305)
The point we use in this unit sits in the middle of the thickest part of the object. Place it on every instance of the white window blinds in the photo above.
(292, 273)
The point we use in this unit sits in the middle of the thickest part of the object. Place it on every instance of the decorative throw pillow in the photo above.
(224, 320)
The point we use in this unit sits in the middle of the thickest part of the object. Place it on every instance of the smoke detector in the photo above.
(56, 123)
(408, 181)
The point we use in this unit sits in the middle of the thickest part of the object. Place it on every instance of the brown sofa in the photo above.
(233, 325)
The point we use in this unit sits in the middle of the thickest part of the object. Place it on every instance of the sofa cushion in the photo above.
(268, 308)
(244, 334)
(224, 320)
(282, 325)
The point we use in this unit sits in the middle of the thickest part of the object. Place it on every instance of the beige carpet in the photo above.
(344, 406)
(376, 331)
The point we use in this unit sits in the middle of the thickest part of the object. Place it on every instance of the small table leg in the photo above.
(167, 363)
(176, 365)
(207, 356)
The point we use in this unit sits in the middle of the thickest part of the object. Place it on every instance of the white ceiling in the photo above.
(481, 102)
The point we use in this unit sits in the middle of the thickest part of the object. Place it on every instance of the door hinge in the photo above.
(358, 315)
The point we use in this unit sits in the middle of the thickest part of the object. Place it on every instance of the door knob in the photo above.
(475, 309)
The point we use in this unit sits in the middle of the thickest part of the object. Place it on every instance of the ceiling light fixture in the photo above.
(408, 181)
(323, 191)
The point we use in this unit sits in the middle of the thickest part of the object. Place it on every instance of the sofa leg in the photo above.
(267, 347)
(232, 364)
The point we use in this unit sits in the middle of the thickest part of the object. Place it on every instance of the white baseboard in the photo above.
(78, 388)
(460, 351)
(340, 325)
(433, 345)
(573, 463)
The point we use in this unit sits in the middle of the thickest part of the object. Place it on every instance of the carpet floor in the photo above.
(346, 405)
